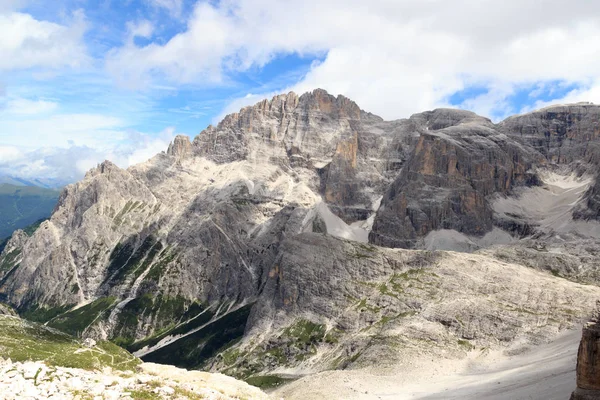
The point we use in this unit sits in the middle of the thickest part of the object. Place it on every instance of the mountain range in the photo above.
(304, 234)
(21, 206)
(47, 183)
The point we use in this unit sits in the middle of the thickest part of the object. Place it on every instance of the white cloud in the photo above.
(12, 5)
(63, 130)
(393, 57)
(587, 93)
(26, 42)
(141, 28)
(10, 153)
(29, 107)
(139, 147)
(70, 163)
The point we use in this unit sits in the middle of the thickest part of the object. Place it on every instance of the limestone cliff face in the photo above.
(173, 257)
(332, 135)
(180, 148)
(565, 135)
(67, 257)
(457, 163)
(588, 362)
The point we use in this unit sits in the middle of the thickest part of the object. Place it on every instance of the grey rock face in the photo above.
(180, 148)
(563, 134)
(347, 146)
(449, 177)
(192, 230)
(182, 255)
(588, 382)
(330, 303)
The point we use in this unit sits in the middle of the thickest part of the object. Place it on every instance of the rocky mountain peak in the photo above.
(106, 167)
(321, 100)
(180, 148)
(286, 129)
(441, 118)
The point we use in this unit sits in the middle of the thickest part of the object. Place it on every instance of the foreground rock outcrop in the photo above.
(36, 380)
(588, 361)
(38, 362)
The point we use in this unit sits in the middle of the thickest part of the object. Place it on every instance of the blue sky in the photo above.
(96, 79)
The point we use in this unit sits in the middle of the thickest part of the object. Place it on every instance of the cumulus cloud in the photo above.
(141, 28)
(26, 42)
(12, 5)
(63, 130)
(68, 164)
(392, 57)
(9, 153)
(22, 106)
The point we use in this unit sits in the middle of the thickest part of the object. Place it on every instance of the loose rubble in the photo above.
(36, 380)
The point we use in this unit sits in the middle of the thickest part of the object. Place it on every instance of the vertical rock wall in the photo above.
(588, 361)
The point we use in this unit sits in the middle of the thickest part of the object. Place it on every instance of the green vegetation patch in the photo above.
(76, 321)
(194, 350)
(38, 313)
(9, 261)
(165, 313)
(22, 340)
(305, 332)
(465, 344)
(129, 206)
(144, 394)
(128, 262)
(267, 381)
(174, 316)
(160, 267)
(362, 250)
(296, 343)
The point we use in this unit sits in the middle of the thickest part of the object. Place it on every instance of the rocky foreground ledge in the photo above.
(37, 362)
(36, 380)
(588, 360)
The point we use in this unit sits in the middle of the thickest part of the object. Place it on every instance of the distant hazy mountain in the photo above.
(48, 183)
(21, 206)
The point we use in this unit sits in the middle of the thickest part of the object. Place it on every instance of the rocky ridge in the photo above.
(222, 250)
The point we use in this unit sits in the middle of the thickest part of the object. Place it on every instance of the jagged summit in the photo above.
(181, 147)
(104, 167)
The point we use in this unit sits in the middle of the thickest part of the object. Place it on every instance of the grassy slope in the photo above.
(21, 206)
(22, 340)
